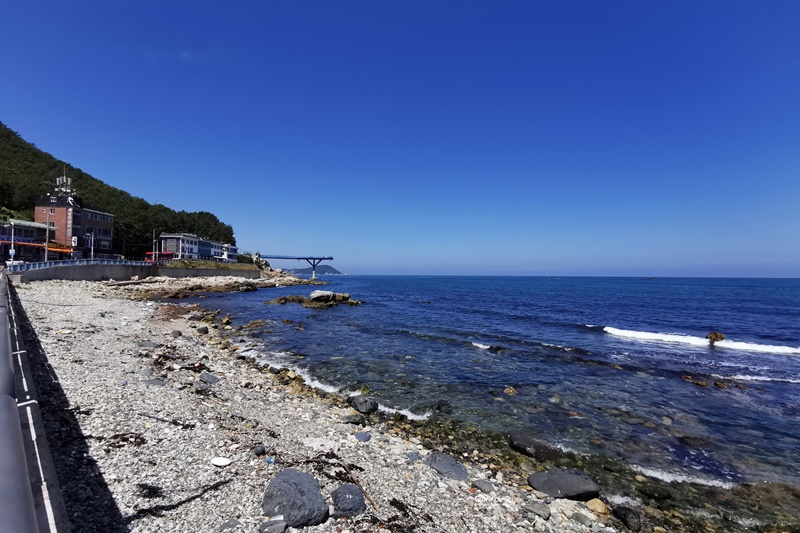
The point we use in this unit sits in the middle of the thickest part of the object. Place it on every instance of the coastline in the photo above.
(149, 426)
(664, 506)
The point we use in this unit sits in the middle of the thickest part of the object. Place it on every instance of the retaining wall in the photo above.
(122, 272)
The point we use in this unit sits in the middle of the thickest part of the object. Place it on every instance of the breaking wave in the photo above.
(701, 341)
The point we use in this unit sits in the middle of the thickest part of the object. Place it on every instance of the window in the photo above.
(52, 211)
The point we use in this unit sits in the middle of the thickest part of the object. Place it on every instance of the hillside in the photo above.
(26, 173)
(321, 269)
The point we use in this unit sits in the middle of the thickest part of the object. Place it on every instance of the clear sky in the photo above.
(435, 137)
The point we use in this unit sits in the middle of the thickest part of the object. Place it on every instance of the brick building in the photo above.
(87, 232)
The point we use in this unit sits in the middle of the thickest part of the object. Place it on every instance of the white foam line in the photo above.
(700, 341)
(669, 477)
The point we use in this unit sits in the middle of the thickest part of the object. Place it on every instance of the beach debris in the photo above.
(447, 466)
(220, 461)
(629, 517)
(715, 336)
(362, 436)
(172, 421)
(348, 501)
(296, 496)
(209, 378)
(569, 483)
(363, 404)
(511, 391)
(273, 526)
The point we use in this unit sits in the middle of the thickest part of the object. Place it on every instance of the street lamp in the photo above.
(11, 250)
(91, 236)
(47, 235)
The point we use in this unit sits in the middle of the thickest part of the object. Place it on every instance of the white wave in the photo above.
(405, 412)
(669, 477)
(481, 346)
(746, 377)
(700, 341)
(618, 499)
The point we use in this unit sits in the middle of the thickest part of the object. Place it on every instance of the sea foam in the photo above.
(700, 341)
(670, 477)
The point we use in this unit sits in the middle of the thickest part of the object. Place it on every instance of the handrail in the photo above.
(25, 267)
(16, 498)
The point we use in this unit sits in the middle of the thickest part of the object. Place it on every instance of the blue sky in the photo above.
(514, 137)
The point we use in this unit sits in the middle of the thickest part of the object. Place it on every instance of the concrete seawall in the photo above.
(122, 272)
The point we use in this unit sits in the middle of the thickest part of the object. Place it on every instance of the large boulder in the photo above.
(566, 483)
(348, 500)
(529, 443)
(295, 495)
(447, 466)
(322, 296)
(363, 405)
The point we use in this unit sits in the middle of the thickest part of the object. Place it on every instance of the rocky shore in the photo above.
(167, 424)
(176, 431)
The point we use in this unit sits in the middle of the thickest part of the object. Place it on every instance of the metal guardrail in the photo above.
(16, 499)
(24, 267)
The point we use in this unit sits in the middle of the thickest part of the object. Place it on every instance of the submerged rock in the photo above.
(529, 443)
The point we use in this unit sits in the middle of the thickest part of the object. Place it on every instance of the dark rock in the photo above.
(259, 450)
(582, 519)
(655, 492)
(567, 483)
(539, 509)
(363, 405)
(202, 330)
(194, 317)
(362, 436)
(348, 500)
(209, 378)
(715, 336)
(413, 457)
(247, 287)
(176, 333)
(273, 526)
(447, 466)
(353, 419)
(629, 517)
(295, 495)
(483, 485)
(528, 443)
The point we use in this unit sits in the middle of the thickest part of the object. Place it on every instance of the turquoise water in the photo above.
(617, 366)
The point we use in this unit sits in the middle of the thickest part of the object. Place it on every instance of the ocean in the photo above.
(612, 366)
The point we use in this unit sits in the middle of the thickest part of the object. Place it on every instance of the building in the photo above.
(26, 241)
(190, 246)
(86, 232)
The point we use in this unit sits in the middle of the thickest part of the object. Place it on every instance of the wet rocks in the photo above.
(447, 466)
(317, 300)
(363, 405)
(348, 500)
(568, 483)
(629, 517)
(529, 443)
(296, 496)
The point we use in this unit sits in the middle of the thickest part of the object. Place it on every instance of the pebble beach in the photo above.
(165, 424)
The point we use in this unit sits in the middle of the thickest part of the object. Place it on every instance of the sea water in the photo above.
(614, 366)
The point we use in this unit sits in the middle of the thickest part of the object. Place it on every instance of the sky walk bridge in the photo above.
(313, 261)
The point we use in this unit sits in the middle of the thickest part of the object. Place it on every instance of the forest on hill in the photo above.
(27, 173)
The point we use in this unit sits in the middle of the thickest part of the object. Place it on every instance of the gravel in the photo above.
(156, 411)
